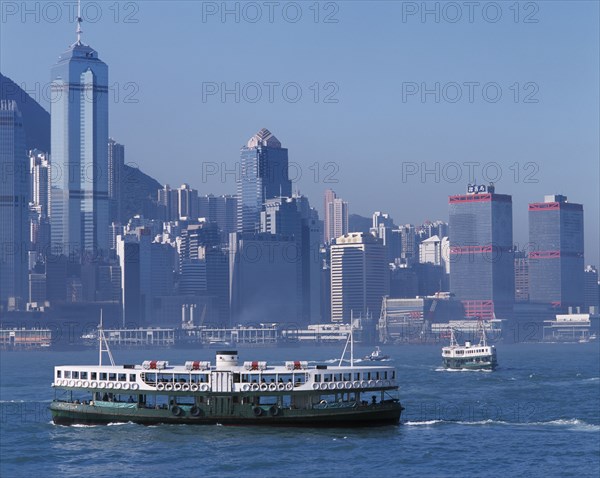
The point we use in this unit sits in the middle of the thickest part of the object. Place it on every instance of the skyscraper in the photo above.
(14, 201)
(481, 252)
(556, 262)
(263, 175)
(79, 144)
(116, 162)
(359, 276)
(187, 199)
(336, 216)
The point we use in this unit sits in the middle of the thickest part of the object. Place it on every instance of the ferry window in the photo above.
(84, 375)
(236, 378)
(368, 375)
(75, 374)
(384, 375)
(112, 376)
(327, 377)
(357, 376)
(317, 377)
(393, 374)
(102, 376)
(58, 374)
(347, 377)
(94, 375)
(337, 377)
(132, 377)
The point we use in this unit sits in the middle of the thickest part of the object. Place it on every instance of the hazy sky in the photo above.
(388, 92)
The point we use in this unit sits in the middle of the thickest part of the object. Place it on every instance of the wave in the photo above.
(442, 369)
(574, 424)
(593, 379)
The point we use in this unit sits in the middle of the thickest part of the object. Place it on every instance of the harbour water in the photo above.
(537, 415)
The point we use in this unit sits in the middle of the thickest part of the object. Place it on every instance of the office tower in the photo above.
(14, 202)
(195, 235)
(79, 145)
(39, 163)
(408, 244)
(556, 262)
(262, 278)
(133, 251)
(481, 252)
(263, 175)
(430, 251)
(385, 229)
(168, 199)
(116, 163)
(187, 202)
(521, 277)
(336, 216)
(192, 277)
(37, 288)
(221, 210)
(591, 289)
(359, 276)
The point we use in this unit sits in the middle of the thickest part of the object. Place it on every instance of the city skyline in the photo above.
(530, 146)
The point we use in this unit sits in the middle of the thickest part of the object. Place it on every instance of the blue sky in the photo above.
(541, 135)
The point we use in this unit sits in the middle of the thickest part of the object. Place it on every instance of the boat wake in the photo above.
(573, 424)
(442, 369)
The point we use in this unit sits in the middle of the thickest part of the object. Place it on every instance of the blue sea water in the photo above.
(537, 415)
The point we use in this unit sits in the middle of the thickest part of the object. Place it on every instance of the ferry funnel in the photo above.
(226, 359)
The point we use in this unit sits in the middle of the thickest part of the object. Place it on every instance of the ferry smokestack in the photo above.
(226, 359)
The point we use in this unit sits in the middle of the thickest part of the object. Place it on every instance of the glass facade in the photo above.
(481, 254)
(263, 175)
(79, 142)
(556, 262)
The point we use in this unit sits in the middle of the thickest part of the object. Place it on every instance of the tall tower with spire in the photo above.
(79, 140)
(264, 175)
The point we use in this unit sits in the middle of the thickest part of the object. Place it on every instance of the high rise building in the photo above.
(263, 175)
(39, 163)
(521, 277)
(14, 203)
(79, 145)
(481, 252)
(591, 289)
(221, 210)
(262, 278)
(116, 163)
(556, 263)
(336, 216)
(187, 201)
(359, 276)
(409, 246)
(168, 199)
(385, 229)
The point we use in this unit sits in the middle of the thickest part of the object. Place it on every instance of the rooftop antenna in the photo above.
(79, 20)
(103, 344)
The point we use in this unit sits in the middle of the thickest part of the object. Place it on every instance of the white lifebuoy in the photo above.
(331, 386)
(109, 385)
(364, 384)
(169, 386)
(64, 382)
(101, 385)
(290, 386)
(255, 387)
(264, 387)
(246, 387)
(177, 387)
(160, 386)
(85, 384)
(94, 384)
(272, 387)
(356, 384)
(134, 386)
(371, 383)
(379, 383)
(280, 386)
(125, 386)
(204, 387)
(387, 383)
(185, 387)
(118, 385)
(339, 385)
(348, 385)
(71, 383)
(78, 383)
(194, 387)
(315, 386)
(323, 386)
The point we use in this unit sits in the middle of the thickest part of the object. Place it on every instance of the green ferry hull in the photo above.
(65, 413)
(463, 365)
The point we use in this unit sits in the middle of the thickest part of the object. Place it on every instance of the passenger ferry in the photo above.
(226, 392)
(470, 357)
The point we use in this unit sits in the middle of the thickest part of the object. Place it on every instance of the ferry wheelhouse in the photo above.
(226, 392)
(470, 357)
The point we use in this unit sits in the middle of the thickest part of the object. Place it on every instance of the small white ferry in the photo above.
(470, 357)
(226, 392)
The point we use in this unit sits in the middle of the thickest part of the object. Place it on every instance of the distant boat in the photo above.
(470, 357)
(376, 356)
